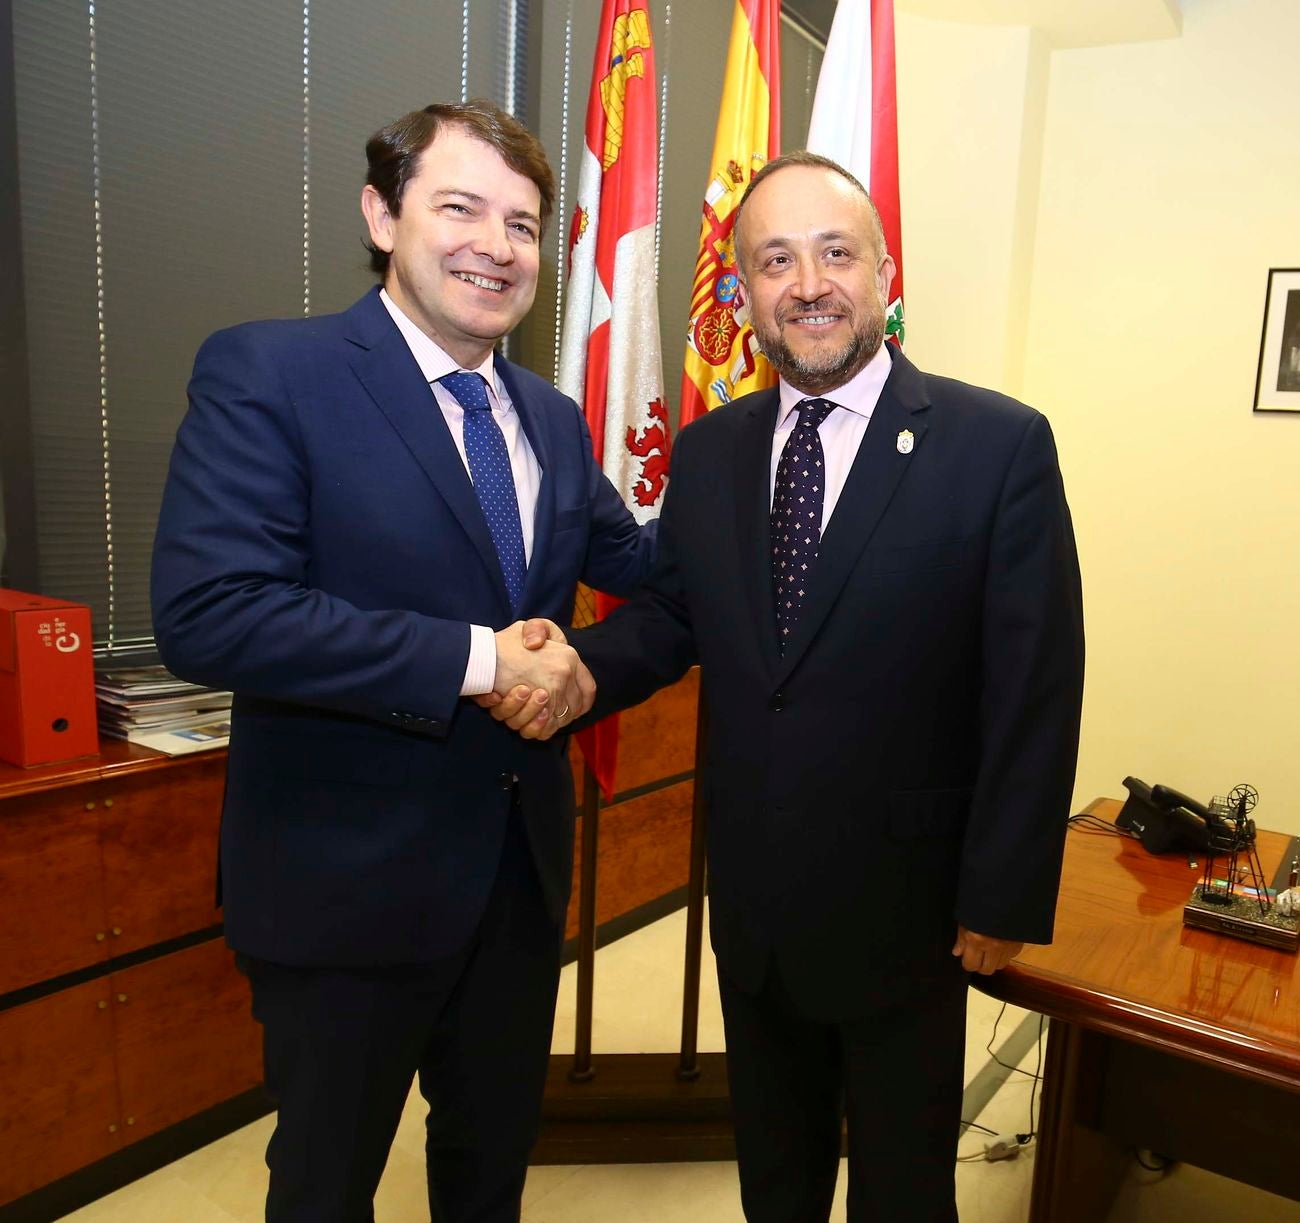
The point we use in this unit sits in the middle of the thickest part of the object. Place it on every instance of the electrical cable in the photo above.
(1094, 825)
(1035, 1076)
(1007, 1065)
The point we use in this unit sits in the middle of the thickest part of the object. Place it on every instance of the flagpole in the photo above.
(637, 1107)
(582, 1071)
(688, 1066)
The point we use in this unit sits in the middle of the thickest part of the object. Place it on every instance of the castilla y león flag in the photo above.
(855, 120)
(722, 357)
(610, 360)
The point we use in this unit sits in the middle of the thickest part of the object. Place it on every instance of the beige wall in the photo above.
(1091, 230)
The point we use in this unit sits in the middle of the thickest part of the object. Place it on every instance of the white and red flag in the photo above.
(855, 120)
(610, 359)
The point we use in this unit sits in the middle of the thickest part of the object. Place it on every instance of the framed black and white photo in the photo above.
(1277, 382)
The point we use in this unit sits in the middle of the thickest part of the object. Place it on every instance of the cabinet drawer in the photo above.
(160, 853)
(52, 916)
(186, 1039)
(58, 1090)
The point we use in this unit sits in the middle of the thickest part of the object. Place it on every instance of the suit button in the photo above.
(777, 703)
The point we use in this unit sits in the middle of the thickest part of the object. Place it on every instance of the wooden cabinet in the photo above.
(121, 1011)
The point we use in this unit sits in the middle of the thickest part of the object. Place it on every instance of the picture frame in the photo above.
(1277, 379)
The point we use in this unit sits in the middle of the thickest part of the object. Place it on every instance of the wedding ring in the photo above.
(564, 713)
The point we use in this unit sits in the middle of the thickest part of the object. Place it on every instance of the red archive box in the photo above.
(47, 680)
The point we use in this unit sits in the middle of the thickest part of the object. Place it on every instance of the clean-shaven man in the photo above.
(360, 508)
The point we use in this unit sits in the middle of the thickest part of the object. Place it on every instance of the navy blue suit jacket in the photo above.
(907, 763)
(321, 553)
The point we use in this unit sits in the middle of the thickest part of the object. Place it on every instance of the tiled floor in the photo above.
(638, 1008)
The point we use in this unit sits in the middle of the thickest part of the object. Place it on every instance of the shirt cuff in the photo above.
(481, 669)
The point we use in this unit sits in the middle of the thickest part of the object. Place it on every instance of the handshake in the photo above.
(541, 685)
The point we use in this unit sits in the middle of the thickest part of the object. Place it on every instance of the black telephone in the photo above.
(1163, 819)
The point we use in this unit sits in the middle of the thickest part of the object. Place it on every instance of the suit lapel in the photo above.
(753, 476)
(876, 471)
(391, 376)
(534, 425)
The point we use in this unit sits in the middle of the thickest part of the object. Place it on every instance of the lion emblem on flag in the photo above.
(652, 447)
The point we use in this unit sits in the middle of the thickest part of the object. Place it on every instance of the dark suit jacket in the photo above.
(321, 553)
(908, 763)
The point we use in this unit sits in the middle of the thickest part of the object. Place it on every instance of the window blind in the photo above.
(183, 167)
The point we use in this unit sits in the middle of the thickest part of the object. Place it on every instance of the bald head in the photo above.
(813, 270)
(811, 161)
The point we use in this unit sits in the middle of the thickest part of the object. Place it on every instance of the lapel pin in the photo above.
(906, 440)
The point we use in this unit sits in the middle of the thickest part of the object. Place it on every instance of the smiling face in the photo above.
(812, 276)
(465, 247)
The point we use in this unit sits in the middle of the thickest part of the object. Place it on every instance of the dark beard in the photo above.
(834, 368)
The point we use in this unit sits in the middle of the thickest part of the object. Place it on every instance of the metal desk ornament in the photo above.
(1233, 896)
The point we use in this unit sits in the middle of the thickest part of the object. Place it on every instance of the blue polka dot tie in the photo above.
(494, 482)
(796, 526)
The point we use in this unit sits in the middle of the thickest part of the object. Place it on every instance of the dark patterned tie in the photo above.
(797, 502)
(494, 481)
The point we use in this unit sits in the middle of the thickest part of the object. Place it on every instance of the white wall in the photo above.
(1091, 229)
(969, 188)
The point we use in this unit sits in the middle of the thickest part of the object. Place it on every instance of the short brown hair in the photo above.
(393, 153)
(802, 157)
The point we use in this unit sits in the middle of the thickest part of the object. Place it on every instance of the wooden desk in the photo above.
(1175, 1040)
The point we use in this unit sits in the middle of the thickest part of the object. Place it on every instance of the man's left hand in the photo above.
(982, 953)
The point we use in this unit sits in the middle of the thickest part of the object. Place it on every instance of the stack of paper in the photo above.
(150, 706)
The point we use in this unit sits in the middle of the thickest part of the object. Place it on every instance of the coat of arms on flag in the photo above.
(723, 359)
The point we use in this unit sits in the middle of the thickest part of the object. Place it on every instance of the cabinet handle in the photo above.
(108, 802)
(102, 1004)
(100, 936)
(121, 997)
(117, 930)
(90, 806)
(130, 1121)
(112, 1129)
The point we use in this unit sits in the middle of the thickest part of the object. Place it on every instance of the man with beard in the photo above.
(876, 571)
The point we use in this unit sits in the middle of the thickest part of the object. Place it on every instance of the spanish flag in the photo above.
(610, 360)
(722, 356)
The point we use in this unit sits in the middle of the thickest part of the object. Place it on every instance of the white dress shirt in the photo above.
(842, 430)
(480, 670)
